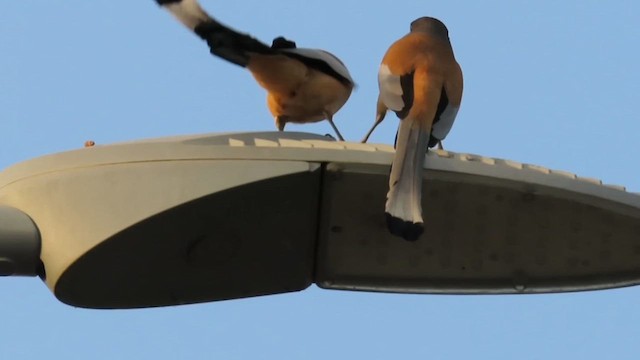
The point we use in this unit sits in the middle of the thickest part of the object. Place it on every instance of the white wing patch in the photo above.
(440, 129)
(390, 89)
(325, 56)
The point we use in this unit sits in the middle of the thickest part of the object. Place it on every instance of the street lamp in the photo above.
(222, 216)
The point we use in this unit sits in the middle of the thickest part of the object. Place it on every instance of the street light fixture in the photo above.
(222, 216)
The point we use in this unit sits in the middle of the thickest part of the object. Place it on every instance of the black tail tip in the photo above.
(407, 230)
(167, 2)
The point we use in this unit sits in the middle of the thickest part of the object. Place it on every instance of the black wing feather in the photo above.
(442, 106)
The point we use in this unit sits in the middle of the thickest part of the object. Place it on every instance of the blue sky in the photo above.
(546, 82)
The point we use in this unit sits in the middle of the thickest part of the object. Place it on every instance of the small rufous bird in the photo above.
(421, 81)
(303, 85)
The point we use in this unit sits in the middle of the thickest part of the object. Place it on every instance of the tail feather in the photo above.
(223, 41)
(188, 12)
(404, 199)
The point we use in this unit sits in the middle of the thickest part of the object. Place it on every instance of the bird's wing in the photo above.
(322, 61)
(395, 92)
(396, 89)
(448, 106)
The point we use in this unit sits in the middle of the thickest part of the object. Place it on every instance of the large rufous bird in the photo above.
(421, 81)
(303, 85)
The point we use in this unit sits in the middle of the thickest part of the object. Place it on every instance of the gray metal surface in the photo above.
(258, 239)
(483, 235)
(222, 216)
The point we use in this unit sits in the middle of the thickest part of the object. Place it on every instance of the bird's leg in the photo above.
(281, 121)
(379, 119)
(381, 111)
(330, 120)
(440, 145)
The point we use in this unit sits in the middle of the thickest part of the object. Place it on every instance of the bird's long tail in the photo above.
(188, 12)
(223, 41)
(404, 199)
